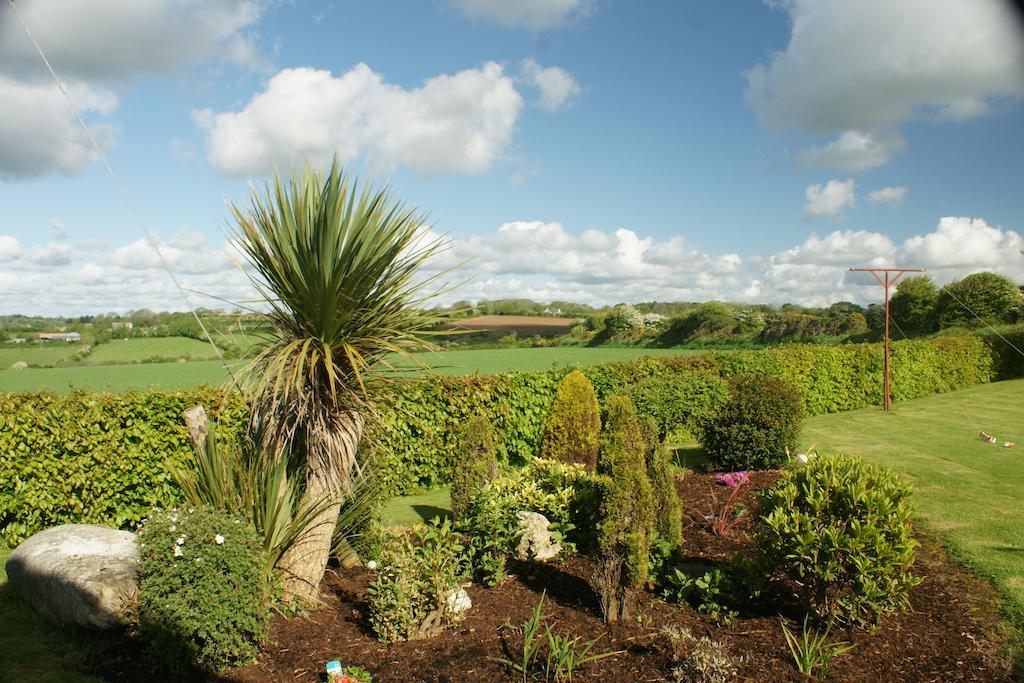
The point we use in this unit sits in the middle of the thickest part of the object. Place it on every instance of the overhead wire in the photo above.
(150, 237)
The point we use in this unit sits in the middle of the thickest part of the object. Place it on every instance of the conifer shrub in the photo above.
(573, 426)
(203, 598)
(668, 512)
(839, 530)
(625, 521)
(756, 426)
(476, 465)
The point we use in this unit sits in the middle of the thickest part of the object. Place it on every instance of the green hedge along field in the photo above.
(102, 457)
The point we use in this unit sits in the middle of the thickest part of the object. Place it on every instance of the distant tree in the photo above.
(875, 316)
(991, 297)
(913, 304)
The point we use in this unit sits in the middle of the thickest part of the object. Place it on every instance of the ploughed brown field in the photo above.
(523, 325)
(947, 635)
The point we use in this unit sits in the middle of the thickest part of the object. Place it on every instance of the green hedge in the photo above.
(101, 457)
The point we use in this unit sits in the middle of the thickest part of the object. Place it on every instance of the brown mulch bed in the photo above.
(947, 635)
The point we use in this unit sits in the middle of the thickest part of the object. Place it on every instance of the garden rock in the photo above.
(459, 601)
(535, 542)
(76, 574)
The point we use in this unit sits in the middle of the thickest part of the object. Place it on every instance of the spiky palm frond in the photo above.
(339, 268)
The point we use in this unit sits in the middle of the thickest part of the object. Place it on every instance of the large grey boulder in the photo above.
(77, 574)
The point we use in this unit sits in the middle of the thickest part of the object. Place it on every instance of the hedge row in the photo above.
(102, 458)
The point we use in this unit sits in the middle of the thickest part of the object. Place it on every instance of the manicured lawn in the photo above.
(412, 509)
(965, 489)
(31, 651)
(139, 376)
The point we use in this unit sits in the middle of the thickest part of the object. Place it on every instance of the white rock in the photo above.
(76, 574)
(535, 542)
(458, 601)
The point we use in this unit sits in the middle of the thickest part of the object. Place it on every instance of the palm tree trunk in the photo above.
(328, 479)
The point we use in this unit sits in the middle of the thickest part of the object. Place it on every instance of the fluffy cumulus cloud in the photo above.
(457, 123)
(38, 133)
(536, 15)
(829, 199)
(556, 85)
(854, 151)
(540, 260)
(892, 196)
(858, 69)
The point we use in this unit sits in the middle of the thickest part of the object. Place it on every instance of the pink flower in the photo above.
(734, 480)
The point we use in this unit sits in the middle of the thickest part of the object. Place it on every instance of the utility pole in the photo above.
(891, 277)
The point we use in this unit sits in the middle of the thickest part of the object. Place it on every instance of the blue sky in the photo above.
(590, 150)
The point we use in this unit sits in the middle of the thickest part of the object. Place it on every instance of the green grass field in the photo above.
(41, 355)
(182, 375)
(140, 350)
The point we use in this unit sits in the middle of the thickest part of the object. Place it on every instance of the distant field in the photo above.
(523, 325)
(43, 355)
(182, 375)
(139, 350)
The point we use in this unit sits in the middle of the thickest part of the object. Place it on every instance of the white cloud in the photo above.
(536, 15)
(557, 86)
(893, 196)
(10, 248)
(829, 199)
(96, 46)
(854, 151)
(52, 254)
(114, 39)
(38, 134)
(534, 259)
(458, 123)
(875, 63)
(863, 68)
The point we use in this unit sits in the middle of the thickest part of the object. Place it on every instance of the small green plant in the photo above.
(573, 426)
(419, 574)
(812, 651)
(477, 463)
(565, 653)
(709, 593)
(203, 599)
(839, 530)
(760, 421)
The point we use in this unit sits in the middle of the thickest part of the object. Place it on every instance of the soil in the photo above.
(947, 635)
(952, 631)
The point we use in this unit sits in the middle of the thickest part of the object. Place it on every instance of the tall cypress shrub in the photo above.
(573, 426)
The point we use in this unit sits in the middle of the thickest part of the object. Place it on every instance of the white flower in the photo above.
(199, 560)
(181, 540)
(372, 564)
(803, 458)
(219, 539)
(177, 551)
(173, 528)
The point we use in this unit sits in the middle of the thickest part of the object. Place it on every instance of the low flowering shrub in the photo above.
(840, 531)
(203, 598)
(419, 576)
(757, 426)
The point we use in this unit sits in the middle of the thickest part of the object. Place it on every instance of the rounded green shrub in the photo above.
(840, 531)
(680, 401)
(477, 463)
(626, 519)
(756, 426)
(573, 426)
(203, 600)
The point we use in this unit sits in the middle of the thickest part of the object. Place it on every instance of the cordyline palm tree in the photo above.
(338, 267)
